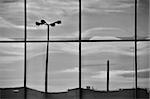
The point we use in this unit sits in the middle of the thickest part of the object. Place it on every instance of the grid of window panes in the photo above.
(107, 29)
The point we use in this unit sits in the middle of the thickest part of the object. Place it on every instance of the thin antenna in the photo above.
(107, 75)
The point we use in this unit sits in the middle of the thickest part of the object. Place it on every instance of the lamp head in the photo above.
(43, 21)
(58, 22)
(37, 23)
(52, 24)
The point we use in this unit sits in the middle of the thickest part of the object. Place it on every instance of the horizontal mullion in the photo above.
(41, 41)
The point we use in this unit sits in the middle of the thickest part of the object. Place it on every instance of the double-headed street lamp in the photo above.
(43, 22)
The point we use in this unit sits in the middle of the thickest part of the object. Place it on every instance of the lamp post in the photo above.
(43, 22)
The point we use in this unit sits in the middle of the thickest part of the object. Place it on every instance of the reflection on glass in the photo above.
(121, 66)
(12, 20)
(51, 11)
(143, 66)
(108, 19)
(11, 65)
(63, 67)
(36, 65)
(143, 19)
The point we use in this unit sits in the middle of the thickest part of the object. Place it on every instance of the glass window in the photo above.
(63, 67)
(95, 56)
(143, 19)
(12, 20)
(143, 67)
(51, 11)
(36, 65)
(11, 65)
(108, 19)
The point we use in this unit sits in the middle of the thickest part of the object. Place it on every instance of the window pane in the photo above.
(36, 65)
(63, 67)
(12, 20)
(143, 19)
(11, 65)
(108, 19)
(121, 69)
(143, 69)
(51, 11)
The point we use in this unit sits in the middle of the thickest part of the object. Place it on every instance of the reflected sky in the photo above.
(121, 57)
(63, 63)
(101, 19)
(114, 19)
(63, 66)
(53, 10)
(11, 65)
(144, 66)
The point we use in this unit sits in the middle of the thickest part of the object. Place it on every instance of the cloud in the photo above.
(7, 70)
(143, 48)
(5, 39)
(104, 38)
(5, 23)
(11, 52)
(55, 7)
(124, 48)
(114, 74)
(107, 5)
(15, 51)
(109, 11)
(9, 1)
(9, 59)
(73, 70)
(109, 47)
(9, 83)
(71, 37)
(103, 33)
(144, 73)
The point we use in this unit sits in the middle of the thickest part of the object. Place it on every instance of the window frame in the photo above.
(79, 41)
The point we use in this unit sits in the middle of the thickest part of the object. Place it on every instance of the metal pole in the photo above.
(107, 75)
(46, 68)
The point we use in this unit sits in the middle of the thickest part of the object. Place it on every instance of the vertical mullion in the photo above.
(80, 21)
(25, 49)
(80, 90)
(136, 49)
(25, 36)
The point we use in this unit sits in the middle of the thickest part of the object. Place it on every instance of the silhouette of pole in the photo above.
(107, 75)
(46, 68)
(43, 22)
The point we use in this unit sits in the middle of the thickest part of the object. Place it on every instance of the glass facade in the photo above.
(92, 36)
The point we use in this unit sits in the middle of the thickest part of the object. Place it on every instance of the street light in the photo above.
(43, 22)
